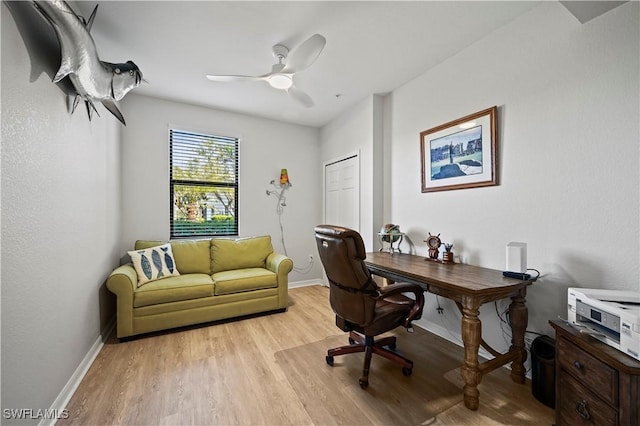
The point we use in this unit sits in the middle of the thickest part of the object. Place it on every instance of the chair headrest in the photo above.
(343, 234)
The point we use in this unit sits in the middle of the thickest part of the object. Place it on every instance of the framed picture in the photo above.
(460, 154)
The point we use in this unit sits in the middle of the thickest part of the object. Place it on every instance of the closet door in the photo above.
(342, 192)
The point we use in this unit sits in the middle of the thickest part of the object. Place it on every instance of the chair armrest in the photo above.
(399, 288)
(279, 263)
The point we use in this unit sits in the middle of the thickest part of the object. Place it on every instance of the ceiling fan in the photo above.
(282, 74)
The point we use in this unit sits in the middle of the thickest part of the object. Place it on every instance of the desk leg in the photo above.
(471, 336)
(519, 315)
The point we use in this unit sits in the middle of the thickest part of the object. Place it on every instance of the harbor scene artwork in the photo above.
(461, 153)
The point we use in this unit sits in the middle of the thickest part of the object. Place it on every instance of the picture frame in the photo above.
(460, 154)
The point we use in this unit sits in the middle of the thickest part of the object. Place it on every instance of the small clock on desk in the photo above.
(434, 243)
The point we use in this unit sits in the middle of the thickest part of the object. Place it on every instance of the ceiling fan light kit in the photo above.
(281, 75)
(280, 81)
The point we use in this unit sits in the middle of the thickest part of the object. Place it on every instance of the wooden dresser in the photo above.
(595, 383)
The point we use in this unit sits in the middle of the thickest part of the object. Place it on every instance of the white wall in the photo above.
(60, 225)
(360, 130)
(266, 146)
(568, 99)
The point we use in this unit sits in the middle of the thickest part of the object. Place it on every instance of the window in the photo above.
(203, 181)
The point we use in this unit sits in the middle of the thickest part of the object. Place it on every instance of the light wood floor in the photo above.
(270, 370)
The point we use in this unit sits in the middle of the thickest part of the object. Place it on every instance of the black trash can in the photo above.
(543, 370)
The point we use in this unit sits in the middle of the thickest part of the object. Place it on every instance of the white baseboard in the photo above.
(304, 283)
(69, 389)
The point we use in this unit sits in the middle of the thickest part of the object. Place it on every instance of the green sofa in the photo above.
(218, 279)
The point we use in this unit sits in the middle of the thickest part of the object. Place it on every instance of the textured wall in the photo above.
(60, 222)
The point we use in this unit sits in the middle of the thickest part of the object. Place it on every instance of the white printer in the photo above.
(612, 316)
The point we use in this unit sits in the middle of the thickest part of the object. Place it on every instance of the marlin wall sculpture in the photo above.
(93, 79)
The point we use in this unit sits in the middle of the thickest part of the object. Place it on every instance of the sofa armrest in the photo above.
(123, 279)
(279, 263)
(122, 282)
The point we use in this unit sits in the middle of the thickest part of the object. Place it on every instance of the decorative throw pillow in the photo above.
(154, 263)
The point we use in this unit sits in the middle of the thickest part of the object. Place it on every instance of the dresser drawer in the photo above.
(577, 405)
(591, 372)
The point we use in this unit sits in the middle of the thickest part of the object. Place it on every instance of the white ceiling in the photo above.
(372, 47)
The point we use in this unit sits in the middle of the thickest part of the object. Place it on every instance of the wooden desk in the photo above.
(469, 286)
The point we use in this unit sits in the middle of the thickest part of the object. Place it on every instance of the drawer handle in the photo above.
(577, 365)
(582, 410)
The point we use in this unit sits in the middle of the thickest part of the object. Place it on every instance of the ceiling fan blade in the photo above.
(305, 54)
(232, 78)
(300, 96)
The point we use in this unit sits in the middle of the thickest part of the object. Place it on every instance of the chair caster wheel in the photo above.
(406, 371)
(363, 383)
(329, 360)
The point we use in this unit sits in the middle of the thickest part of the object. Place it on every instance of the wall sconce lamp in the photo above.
(280, 187)
(284, 177)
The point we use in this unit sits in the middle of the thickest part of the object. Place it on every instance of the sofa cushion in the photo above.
(240, 280)
(228, 254)
(174, 289)
(153, 263)
(191, 256)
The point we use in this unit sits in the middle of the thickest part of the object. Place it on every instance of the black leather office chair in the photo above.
(363, 308)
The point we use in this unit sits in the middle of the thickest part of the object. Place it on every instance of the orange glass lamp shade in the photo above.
(284, 177)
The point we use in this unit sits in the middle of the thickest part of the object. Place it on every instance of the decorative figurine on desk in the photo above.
(391, 235)
(434, 243)
(447, 256)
